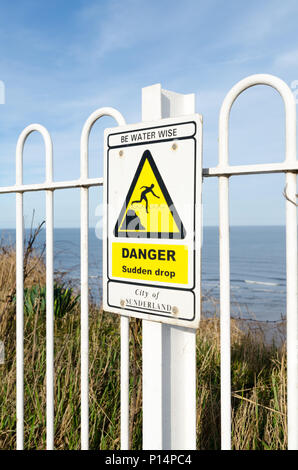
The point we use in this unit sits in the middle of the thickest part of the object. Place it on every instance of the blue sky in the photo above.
(62, 60)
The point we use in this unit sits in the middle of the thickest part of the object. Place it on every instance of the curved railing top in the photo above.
(107, 111)
(112, 112)
(290, 114)
(48, 149)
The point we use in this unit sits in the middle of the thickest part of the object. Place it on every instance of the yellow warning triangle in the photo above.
(148, 210)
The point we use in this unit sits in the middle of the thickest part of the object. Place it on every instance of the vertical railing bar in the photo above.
(20, 287)
(292, 323)
(124, 382)
(225, 337)
(19, 298)
(84, 320)
(224, 259)
(19, 321)
(49, 293)
(291, 250)
(84, 271)
(50, 319)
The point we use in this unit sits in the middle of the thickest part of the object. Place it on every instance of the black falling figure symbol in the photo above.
(148, 189)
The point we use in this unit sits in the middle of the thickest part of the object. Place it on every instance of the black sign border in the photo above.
(192, 137)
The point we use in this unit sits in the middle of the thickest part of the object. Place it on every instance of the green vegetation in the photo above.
(258, 373)
(64, 300)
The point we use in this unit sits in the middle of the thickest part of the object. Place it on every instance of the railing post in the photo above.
(84, 150)
(223, 170)
(20, 287)
(169, 352)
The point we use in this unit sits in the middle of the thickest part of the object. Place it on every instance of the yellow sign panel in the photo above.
(150, 262)
(148, 210)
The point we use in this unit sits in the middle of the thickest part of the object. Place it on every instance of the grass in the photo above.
(258, 373)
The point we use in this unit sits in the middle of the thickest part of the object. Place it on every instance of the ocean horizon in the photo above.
(258, 270)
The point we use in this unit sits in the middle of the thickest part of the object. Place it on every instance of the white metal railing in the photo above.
(223, 171)
(20, 287)
(84, 291)
(49, 186)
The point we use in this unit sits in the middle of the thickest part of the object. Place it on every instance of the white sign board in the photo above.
(152, 229)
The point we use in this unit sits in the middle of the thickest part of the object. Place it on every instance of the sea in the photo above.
(258, 268)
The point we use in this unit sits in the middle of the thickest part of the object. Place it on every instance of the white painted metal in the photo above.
(169, 373)
(155, 386)
(225, 340)
(292, 321)
(223, 171)
(20, 287)
(49, 186)
(168, 352)
(124, 383)
(49, 293)
(19, 299)
(84, 278)
(26, 188)
(251, 169)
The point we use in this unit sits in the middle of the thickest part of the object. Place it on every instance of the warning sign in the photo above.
(161, 263)
(152, 229)
(148, 210)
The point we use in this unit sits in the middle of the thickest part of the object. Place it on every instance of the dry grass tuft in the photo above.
(258, 388)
